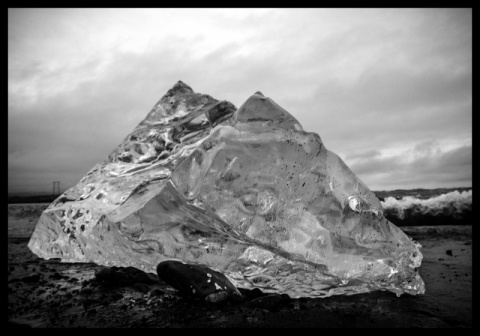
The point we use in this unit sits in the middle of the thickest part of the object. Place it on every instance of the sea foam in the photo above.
(453, 204)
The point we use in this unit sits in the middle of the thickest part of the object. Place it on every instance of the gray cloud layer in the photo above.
(430, 169)
(372, 83)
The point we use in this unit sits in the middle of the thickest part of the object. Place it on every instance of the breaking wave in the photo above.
(449, 208)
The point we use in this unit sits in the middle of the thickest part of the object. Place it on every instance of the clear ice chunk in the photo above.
(245, 192)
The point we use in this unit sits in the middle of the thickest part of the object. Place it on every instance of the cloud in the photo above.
(427, 169)
(364, 155)
(367, 81)
(70, 128)
(427, 148)
(461, 157)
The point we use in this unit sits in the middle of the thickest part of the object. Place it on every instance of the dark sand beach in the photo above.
(48, 293)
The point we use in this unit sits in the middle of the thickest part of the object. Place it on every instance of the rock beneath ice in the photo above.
(195, 280)
(247, 192)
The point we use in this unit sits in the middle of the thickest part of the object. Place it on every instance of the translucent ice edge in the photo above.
(247, 193)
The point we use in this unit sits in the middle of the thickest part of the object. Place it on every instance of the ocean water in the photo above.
(453, 203)
(429, 208)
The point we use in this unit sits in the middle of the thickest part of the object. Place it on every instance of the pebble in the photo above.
(156, 292)
(131, 270)
(217, 297)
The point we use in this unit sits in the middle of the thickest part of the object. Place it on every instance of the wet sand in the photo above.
(48, 293)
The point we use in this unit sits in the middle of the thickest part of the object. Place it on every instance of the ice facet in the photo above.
(245, 192)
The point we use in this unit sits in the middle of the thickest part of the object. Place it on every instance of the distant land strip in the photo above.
(32, 199)
(418, 193)
(398, 194)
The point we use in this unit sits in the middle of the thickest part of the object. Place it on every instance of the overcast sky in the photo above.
(388, 90)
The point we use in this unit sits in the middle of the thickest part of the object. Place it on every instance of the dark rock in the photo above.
(104, 274)
(141, 287)
(145, 278)
(194, 280)
(217, 297)
(244, 291)
(156, 292)
(153, 278)
(255, 294)
(449, 252)
(131, 270)
(123, 279)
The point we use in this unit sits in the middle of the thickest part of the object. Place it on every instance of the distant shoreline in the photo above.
(397, 193)
(32, 199)
(418, 193)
